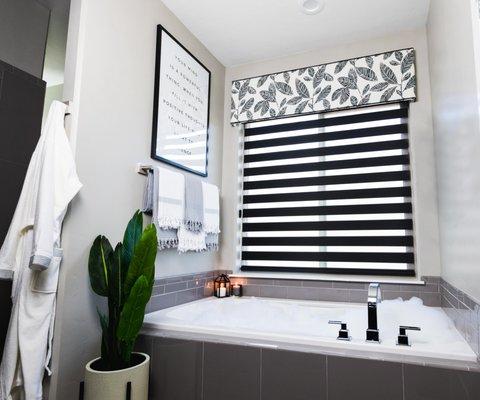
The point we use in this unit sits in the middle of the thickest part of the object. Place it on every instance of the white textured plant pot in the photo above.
(112, 385)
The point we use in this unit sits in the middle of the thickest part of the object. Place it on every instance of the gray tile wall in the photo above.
(196, 370)
(339, 291)
(465, 313)
(180, 289)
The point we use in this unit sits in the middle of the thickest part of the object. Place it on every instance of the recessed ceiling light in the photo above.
(311, 7)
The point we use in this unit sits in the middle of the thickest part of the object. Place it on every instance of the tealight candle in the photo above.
(237, 290)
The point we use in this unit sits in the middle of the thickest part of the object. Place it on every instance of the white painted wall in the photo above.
(421, 141)
(23, 34)
(453, 39)
(113, 101)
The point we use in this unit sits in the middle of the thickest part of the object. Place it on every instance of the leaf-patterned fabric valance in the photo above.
(382, 78)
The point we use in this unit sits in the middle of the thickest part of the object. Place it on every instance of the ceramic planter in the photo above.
(112, 385)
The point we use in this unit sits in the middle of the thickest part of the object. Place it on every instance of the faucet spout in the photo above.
(374, 293)
(374, 297)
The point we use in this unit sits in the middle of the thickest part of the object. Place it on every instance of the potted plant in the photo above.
(125, 276)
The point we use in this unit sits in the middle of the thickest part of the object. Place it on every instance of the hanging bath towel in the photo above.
(211, 205)
(170, 199)
(191, 235)
(167, 198)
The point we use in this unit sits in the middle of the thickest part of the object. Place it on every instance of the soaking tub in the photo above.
(278, 323)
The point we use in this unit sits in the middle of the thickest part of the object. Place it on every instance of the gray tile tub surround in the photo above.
(191, 370)
(464, 312)
(352, 292)
(175, 290)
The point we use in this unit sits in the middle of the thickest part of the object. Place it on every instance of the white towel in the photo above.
(170, 201)
(211, 206)
(167, 237)
(190, 241)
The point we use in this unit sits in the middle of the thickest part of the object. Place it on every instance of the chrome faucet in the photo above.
(374, 297)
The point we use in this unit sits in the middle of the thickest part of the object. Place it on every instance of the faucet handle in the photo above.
(402, 335)
(343, 332)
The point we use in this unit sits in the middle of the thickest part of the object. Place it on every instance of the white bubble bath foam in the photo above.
(289, 323)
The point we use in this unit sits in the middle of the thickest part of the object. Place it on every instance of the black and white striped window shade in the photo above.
(329, 193)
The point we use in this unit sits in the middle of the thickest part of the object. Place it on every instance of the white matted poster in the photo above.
(181, 107)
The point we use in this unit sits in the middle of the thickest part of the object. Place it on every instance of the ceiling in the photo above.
(245, 31)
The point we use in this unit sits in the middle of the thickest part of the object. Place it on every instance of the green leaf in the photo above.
(131, 317)
(131, 237)
(98, 265)
(116, 276)
(126, 349)
(104, 325)
(143, 260)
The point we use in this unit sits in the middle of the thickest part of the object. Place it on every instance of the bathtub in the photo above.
(303, 325)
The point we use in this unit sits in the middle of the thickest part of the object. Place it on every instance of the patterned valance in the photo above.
(376, 79)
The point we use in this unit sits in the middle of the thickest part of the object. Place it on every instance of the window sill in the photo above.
(329, 277)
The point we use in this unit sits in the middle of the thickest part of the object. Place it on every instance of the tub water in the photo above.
(306, 323)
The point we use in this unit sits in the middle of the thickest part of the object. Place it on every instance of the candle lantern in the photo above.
(221, 287)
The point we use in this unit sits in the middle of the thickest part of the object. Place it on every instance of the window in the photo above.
(329, 193)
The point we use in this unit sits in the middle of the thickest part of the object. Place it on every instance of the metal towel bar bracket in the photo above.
(142, 168)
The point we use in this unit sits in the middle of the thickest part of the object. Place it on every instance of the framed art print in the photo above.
(181, 106)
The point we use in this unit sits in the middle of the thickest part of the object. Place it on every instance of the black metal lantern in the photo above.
(221, 286)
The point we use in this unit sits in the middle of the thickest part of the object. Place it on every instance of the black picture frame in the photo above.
(153, 153)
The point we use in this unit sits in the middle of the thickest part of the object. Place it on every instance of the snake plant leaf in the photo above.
(131, 317)
(131, 237)
(143, 259)
(98, 265)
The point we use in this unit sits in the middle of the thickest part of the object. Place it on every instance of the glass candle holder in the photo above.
(237, 290)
